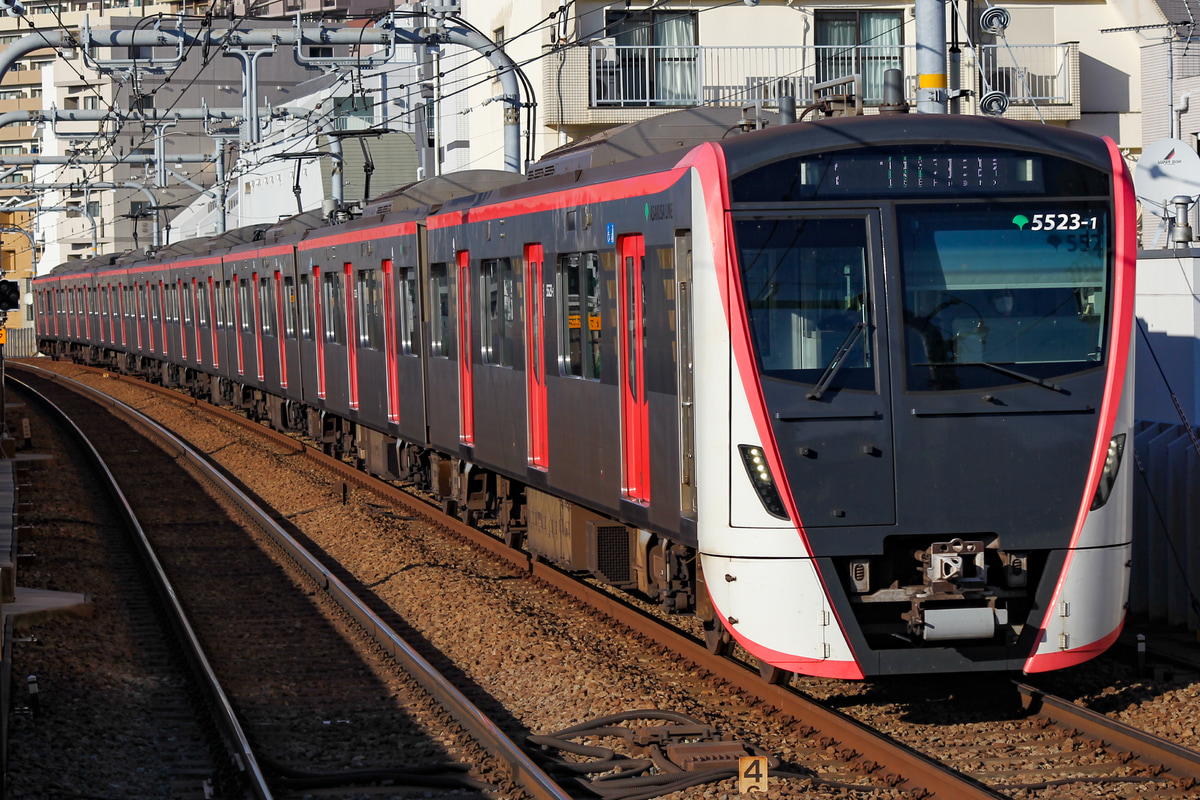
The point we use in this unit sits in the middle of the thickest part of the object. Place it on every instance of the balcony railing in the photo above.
(669, 76)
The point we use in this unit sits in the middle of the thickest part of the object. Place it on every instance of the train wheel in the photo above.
(773, 675)
(717, 638)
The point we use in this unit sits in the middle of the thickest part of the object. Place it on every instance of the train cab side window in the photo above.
(368, 316)
(441, 304)
(266, 302)
(579, 315)
(333, 303)
(304, 305)
(497, 310)
(289, 307)
(408, 311)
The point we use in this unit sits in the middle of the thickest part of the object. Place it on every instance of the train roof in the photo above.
(763, 147)
(664, 133)
(434, 192)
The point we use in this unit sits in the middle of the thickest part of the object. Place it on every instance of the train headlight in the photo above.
(760, 476)
(1112, 465)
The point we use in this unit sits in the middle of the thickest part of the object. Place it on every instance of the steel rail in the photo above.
(524, 771)
(1180, 761)
(909, 769)
(227, 722)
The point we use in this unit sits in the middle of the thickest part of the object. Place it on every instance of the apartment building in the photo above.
(596, 64)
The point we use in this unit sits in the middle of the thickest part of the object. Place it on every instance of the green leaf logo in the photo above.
(1020, 220)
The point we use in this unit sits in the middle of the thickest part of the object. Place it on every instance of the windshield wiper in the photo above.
(1012, 373)
(835, 363)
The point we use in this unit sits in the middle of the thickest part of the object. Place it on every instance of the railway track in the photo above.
(1037, 757)
(318, 711)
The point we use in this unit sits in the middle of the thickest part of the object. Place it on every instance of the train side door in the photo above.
(631, 329)
(535, 364)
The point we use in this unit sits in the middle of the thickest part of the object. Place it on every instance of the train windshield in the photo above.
(998, 293)
(807, 296)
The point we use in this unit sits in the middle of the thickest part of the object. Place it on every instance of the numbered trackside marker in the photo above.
(752, 774)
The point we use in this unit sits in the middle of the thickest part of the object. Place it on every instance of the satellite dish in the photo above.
(1167, 169)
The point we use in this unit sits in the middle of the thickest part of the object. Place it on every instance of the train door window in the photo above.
(441, 303)
(304, 307)
(187, 300)
(289, 307)
(579, 315)
(245, 305)
(104, 315)
(201, 306)
(335, 308)
(266, 303)
(408, 311)
(229, 309)
(155, 304)
(369, 313)
(497, 310)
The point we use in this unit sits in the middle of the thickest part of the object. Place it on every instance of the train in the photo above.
(855, 392)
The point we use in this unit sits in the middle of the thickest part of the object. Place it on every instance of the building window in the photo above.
(656, 57)
(579, 315)
(865, 42)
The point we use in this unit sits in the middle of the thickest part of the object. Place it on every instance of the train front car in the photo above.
(929, 341)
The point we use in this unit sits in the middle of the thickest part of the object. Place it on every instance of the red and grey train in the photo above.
(855, 391)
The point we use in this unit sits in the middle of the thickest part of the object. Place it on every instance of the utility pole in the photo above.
(931, 56)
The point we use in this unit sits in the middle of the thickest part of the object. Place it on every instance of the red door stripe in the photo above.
(280, 330)
(351, 338)
(319, 333)
(258, 324)
(466, 392)
(538, 439)
(389, 342)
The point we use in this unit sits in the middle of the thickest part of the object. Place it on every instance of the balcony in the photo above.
(605, 84)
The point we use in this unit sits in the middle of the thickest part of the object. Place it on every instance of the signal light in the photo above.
(10, 295)
(14, 8)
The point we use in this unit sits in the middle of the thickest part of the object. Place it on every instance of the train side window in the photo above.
(289, 307)
(266, 301)
(305, 306)
(408, 311)
(497, 310)
(441, 303)
(368, 315)
(335, 308)
(579, 315)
